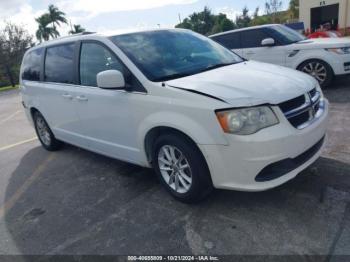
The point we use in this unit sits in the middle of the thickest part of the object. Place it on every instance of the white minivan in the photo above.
(321, 58)
(177, 101)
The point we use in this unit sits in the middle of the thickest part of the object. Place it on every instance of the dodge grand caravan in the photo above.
(174, 100)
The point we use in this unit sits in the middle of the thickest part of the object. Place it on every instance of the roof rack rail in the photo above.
(78, 34)
(88, 33)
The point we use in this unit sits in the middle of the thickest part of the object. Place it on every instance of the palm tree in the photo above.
(77, 29)
(56, 16)
(44, 32)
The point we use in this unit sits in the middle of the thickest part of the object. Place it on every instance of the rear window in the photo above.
(32, 65)
(59, 64)
(230, 41)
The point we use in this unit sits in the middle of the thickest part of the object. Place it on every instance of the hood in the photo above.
(248, 83)
(322, 43)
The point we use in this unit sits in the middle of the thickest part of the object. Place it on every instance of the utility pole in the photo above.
(180, 18)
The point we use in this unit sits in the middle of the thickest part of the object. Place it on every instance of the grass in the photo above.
(6, 88)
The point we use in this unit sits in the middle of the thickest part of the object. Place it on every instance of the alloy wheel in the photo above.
(43, 131)
(175, 169)
(317, 70)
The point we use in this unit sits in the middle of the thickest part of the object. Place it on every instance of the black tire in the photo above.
(201, 184)
(51, 144)
(307, 67)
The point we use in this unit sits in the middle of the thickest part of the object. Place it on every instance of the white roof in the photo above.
(82, 36)
(243, 29)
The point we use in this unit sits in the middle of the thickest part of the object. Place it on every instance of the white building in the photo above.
(317, 13)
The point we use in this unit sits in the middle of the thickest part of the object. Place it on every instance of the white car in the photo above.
(176, 101)
(322, 58)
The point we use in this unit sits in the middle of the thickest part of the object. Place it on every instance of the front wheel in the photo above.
(181, 168)
(318, 69)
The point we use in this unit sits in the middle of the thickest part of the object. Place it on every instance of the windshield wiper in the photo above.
(179, 75)
(211, 67)
(171, 77)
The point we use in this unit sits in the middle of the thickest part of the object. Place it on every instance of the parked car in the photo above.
(176, 101)
(280, 45)
(325, 34)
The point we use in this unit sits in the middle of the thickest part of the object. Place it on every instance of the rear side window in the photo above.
(59, 64)
(230, 41)
(32, 65)
(252, 38)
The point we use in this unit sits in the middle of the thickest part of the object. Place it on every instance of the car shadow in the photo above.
(77, 202)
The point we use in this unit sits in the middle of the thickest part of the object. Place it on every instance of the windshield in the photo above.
(168, 54)
(285, 34)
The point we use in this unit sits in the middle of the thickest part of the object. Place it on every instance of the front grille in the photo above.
(293, 103)
(313, 92)
(302, 110)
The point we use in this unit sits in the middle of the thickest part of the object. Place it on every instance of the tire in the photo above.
(188, 185)
(44, 133)
(318, 69)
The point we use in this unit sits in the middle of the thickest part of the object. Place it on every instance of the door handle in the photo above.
(250, 53)
(82, 98)
(67, 96)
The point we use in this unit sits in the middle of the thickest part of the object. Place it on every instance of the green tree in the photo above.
(206, 23)
(14, 41)
(244, 19)
(56, 16)
(272, 9)
(77, 29)
(222, 24)
(256, 13)
(261, 20)
(44, 31)
(294, 9)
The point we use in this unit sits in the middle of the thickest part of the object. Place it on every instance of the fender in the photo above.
(194, 129)
(304, 56)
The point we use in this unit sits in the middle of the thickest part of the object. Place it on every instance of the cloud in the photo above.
(229, 12)
(138, 27)
(21, 14)
(232, 13)
(9, 7)
(94, 8)
(79, 12)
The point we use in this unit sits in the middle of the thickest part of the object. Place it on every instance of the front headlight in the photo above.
(340, 51)
(246, 121)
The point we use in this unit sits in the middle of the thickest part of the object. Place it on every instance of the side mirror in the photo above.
(110, 79)
(268, 42)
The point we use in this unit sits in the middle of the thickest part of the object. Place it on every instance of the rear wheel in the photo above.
(44, 133)
(318, 69)
(181, 168)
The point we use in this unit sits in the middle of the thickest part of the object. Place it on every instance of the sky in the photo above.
(118, 16)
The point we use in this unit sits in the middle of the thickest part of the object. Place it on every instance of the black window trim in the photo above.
(41, 64)
(77, 67)
(266, 32)
(229, 33)
(277, 41)
(74, 63)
